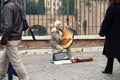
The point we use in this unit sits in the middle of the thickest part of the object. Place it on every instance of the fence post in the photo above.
(67, 13)
(24, 4)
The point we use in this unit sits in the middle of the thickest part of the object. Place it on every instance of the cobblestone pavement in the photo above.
(39, 66)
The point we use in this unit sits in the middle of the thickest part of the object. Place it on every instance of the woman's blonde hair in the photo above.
(57, 22)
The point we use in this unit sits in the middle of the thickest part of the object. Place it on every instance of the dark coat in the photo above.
(11, 22)
(110, 28)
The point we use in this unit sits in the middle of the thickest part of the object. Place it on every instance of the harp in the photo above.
(68, 42)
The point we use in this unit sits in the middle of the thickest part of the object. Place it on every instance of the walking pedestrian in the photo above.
(110, 28)
(11, 37)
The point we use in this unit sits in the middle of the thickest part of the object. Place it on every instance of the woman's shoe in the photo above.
(107, 72)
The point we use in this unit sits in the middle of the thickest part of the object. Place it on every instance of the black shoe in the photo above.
(107, 72)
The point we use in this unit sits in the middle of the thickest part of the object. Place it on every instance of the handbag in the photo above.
(25, 24)
(61, 56)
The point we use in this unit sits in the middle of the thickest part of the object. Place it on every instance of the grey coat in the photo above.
(55, 37)
(11, 22)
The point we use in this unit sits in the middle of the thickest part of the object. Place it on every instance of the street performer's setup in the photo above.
(64, 57)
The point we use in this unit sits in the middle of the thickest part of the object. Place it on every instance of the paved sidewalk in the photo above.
(39, 66)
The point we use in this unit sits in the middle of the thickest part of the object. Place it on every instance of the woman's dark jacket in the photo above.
(110, 28)
(11, 22)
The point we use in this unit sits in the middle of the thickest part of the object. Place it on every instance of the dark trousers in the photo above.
(11, 72)
(110, 62)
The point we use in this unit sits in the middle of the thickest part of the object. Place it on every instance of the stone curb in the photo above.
(49, 51)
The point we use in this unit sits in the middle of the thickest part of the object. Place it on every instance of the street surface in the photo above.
(39, 66)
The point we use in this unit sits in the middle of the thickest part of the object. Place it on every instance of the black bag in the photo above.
(25, 24)
(61, 56)
(4, 40)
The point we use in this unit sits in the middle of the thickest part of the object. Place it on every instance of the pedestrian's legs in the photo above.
(10, 75)
(109, 66)
(4, 65)
(14, 58)
(11, 71)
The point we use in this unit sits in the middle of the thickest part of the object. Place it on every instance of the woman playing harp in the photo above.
(57, 37)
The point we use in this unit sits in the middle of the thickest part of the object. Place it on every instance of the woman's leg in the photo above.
(69, 51)
(58, 48)
(11, 70)
(109, 66)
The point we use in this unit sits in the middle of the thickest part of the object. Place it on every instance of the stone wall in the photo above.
(78, 41)
(43, 41)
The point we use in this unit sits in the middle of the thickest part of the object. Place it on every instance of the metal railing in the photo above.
(83, 16)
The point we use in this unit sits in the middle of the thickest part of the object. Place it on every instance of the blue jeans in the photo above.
(11, 71)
